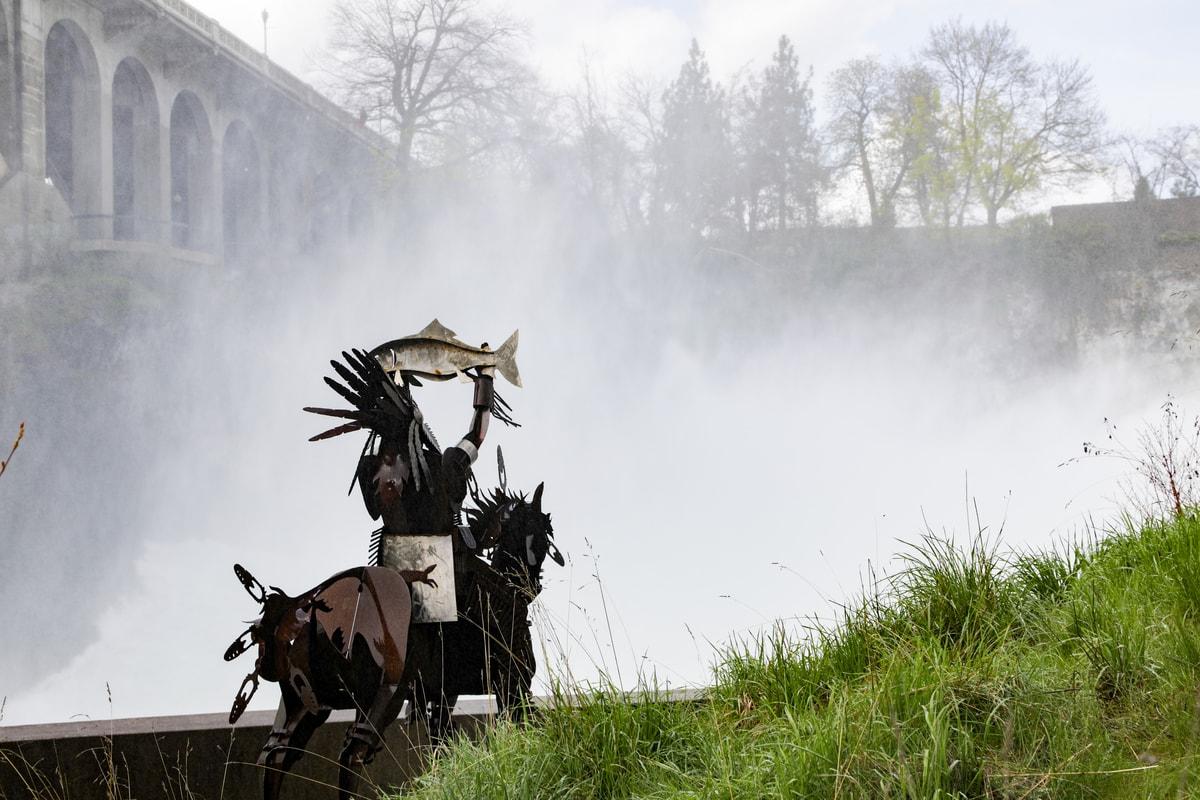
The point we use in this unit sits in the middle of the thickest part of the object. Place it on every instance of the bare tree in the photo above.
(1145, 170)
(883, 122)
(1018, 125)
(441, 77)
(641, 114)
(1178, 151)
(1168, 162)
(604, 151)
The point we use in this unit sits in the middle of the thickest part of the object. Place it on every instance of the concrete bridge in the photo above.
(143, 127)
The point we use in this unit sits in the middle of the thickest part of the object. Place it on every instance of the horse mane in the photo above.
(488, 512)
(502, 522)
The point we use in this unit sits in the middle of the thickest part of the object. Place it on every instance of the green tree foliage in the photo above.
(782, 169)
(1016, 125)
(886, 128)
(933, 180)
(694, 155)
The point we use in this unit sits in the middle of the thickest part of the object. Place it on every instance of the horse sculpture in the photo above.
(349, 643)
(341, 644)
(489, 650)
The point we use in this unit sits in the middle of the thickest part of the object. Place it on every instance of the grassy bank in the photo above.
(970, 673)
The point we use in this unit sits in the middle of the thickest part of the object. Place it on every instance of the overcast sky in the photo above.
(1143, 60)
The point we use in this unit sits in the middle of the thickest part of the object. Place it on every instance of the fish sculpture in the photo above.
(435, 353)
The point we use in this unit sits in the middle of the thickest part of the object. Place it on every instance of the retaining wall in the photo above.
(197, 757)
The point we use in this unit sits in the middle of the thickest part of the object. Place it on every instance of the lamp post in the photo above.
(265, 16)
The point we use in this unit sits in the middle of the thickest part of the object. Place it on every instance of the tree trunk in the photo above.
(781, 201)
(404, 152)
(869, 181)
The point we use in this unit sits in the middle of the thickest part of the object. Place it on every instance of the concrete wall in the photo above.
(1176, 214)
(200, 757)
(196, 757)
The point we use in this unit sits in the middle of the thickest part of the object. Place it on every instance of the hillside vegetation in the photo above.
(969, 674)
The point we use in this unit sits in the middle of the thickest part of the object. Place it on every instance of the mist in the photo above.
(727, 438)
(714, 458)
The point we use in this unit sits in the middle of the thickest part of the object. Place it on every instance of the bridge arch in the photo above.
(136, 185)
(242, 198)
(72, 104)
(9, 122)
(191, 173)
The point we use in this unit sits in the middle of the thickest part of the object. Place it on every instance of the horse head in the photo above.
(525, 538)
(277, 624)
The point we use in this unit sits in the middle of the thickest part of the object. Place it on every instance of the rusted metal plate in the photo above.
(430, 603)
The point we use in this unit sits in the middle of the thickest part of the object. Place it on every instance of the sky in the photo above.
(1143, 64)
(854, 444)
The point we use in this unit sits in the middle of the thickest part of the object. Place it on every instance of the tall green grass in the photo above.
(971, 673)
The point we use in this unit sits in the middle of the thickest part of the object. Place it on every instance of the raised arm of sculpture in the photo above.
(485, 398)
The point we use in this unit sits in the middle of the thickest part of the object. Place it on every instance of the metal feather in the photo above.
(352, 380)
(349, 427)
(348, 395)
(335, 412)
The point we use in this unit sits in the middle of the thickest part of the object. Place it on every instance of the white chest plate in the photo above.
(430, 604)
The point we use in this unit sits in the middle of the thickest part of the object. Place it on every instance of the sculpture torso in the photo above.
(391, 494)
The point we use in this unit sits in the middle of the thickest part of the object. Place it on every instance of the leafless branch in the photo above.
(428, 72)
(16, 444)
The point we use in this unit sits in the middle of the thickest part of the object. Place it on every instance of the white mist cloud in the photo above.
(725, 464)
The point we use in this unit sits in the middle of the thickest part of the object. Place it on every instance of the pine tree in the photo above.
(694, 154)
(783, 171)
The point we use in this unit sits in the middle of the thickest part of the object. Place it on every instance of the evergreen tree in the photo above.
(782, 169)
(694, 156)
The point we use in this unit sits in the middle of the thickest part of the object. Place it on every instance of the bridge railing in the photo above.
(211, 31)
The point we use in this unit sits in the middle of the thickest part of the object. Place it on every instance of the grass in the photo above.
(971, 673)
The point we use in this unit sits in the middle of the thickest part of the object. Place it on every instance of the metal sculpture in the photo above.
(435, 633)
(341, 644)
(436, 353)
(489, 650)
